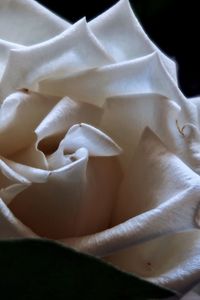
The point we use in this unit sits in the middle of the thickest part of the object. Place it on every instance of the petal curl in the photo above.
(123, 37)
(20, 114)
(65, 114)
(167, 205)
(78, 198)
(10, 226)
(75, 49)
(141, 75)
(40, 23)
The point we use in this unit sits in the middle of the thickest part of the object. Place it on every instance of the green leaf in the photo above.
(42, 269)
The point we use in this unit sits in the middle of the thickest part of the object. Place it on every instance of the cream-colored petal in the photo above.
(5, 48)
(196, 102)
(51, 208)
(82, 136)
(95, 141)
(142, 75)
(20, 114)
(10, 226)
(33, 175)
(31, 156)
(11, 183)
(125, 118)
(65, 114)
(191, 296)
(122, 36)
(172, 261)
(163, 195)
(74, 50)
(103, 180)
(130, 114)
(27, 22)
(77, 198)
(163, 175)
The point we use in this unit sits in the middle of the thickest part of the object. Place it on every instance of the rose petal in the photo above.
(73, 50)
(82, 136)
(130, 114)
(142, 75)
(77, 198)
(33, 23)
(19, 116)
(122, 36)
(172, 261)
(196, 102)
(31, 156)
(94, 140)
(11, 183)
(5, 48)
(11, 227)
(163, 195)
(163, 175)
(31, 174)
(165, 117)
(66, 113)
(50, 208)
(191, 295)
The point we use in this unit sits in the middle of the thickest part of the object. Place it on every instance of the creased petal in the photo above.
(5, 48)
(57, 199)
(172, 261)
(11, 227)
(82, 136)
(77, 198)
(125, 118)
(132, 113)
(163, 175)
(33, 23)
(65, 114)
(94, 140)
(142, 75)
(122, 36)
(11, 183)
(191, 296)
(20, 114)
(73, 50)
(160, 196)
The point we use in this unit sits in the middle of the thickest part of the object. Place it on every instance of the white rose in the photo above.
(72, 97)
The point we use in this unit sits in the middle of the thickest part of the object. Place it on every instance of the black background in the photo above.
(174, 25)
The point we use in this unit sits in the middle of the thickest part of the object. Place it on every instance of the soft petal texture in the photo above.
(10, 226)
(191, 296)
(19, 117)
(11, 183)
(142, 75)
(82, 136)
(32, 22)
(122, 36)
(5, 48)
(62, 177)
(132, 113)
(57, 122)
(76, 198)
(163, 195)
(75, 49)
(96, 142)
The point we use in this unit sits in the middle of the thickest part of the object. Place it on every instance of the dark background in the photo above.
(174, 25)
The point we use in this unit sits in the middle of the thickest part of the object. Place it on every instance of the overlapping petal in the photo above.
(33, 23)
(159, 197)
(123, 37)
(77, 194)
(66, 179)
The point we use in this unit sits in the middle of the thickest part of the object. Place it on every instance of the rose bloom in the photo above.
(99, 148)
